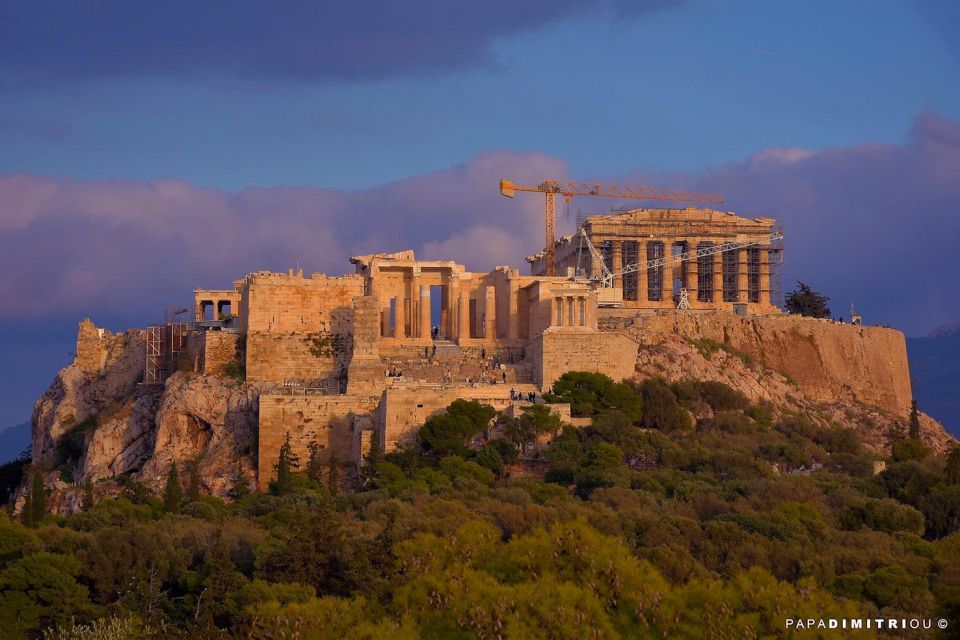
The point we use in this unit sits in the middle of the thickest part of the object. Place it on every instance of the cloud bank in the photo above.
(875, 224)
(44, 41)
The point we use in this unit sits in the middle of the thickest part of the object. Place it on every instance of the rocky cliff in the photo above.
(96, 422)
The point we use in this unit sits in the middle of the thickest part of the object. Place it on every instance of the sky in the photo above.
(147, 148)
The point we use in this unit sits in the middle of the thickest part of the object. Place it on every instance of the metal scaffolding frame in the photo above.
(154, 369)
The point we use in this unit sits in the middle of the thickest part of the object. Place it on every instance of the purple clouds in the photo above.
(48, 41)
(875, 224)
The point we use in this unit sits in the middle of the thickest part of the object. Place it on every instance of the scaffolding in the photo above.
(166, 345)
(154, 370)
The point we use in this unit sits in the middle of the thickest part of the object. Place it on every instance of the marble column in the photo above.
(742, 274)
(424, 312)
(490, 328)
(616, 262)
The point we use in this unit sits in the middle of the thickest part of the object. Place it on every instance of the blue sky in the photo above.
(148, 148)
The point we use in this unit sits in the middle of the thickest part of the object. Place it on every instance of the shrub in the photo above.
(660, 407)
(721, 397)
(591, 393)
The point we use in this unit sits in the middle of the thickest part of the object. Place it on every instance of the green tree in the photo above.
(35, 506)
(194, 482)
(314, 466)
(951, 471)
(660, 407)
(41, 590)
(287, 462)
(448, 432)
(805, 301)
(590, 393)
(239, 483)
(369, 472)
(173, 492)
(333, 475)
(914, 430)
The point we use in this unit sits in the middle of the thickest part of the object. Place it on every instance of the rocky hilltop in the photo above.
(97, 422)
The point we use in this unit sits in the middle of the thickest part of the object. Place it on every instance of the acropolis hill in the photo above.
(341, 360)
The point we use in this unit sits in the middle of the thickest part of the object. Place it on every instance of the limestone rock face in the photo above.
(827, 361)
(675, 357)
(139, 431)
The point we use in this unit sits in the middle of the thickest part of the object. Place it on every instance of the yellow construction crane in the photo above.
(552, 188)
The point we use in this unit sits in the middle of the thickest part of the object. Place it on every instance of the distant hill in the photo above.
(935, 374)
(13, 440)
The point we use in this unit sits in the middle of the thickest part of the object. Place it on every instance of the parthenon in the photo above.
(716, 280)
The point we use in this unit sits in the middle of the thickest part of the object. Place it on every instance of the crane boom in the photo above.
(552, 188)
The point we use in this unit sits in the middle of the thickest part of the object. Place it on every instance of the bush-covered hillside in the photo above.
(646, 524)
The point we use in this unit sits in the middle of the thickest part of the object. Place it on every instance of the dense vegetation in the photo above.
(649, 524)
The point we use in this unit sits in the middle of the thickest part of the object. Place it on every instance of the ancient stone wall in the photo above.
(557, 351)
(220, 348)
(91, 347)
(828, 361)
(327, 420)
(299, 328)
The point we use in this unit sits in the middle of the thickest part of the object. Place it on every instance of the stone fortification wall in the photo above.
(828, 361)
(557, 351)
(327, 420)
(298, 328)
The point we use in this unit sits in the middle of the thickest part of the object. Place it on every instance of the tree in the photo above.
(194, 483)
(805, 301)
(173, 492)
(35, 506)
(448, 432)
(369, 472)
(239, 483)
(914, 421)
(333, 476)
(952, 470)
(286, 463)
(314, 467)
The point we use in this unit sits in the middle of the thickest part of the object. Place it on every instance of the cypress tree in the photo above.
(370, 461)
(193, 481)
(314, 468)
(286, 463)
(38, 495)
(239, 483)
(173, 492)
(333, 477)
(914, 421)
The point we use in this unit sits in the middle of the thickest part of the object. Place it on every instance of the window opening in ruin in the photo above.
(730, 289)
(630, 280)
(392, 322)
(606, 250)
(753, 274)
(655, 275)
(705, 274)
(436, 307)
(224, 309)
(679, 268)
(207, 310)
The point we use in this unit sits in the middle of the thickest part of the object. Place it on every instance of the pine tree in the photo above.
(286, 463)
(914, 421)
(173, 492)
(314, 467)
(333, 477)
(194, 483)
(374, 457)
(952, 470)
(239, 483)
(805, 301)
(38, 498)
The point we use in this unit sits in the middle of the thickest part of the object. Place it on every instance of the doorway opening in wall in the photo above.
(224, 310)
(393, 318)
(679, 268)
(436, 313)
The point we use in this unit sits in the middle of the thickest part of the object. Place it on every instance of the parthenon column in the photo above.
(764, 277)
(616, 262)
(667, 297)
(692, 282)
(490, 326)
(718, 278)
(463, 316)
(424, 311)
(643, 274)
(742, 274)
